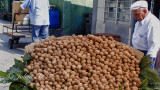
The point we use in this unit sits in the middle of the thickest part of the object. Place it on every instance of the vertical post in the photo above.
(116, 14)
(94, 16)
(100, 23)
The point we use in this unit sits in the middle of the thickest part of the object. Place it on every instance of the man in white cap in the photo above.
(146, 36)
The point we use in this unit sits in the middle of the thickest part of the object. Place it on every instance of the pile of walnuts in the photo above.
(83, 63)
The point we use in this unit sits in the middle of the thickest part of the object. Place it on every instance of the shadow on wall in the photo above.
(79, 18)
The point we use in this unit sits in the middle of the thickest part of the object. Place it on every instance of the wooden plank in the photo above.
(19, 27)
(18, 34)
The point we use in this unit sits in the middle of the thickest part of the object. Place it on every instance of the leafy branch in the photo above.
(15, 75)
(149, 77)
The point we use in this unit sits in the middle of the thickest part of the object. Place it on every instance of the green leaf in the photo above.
(9, 78)
(147, 88)
(3, 74)
(13, 78)
(19, 64)
(34, 87)
(27, 79)
(149, 77)
(5, 80)
(26, 88)
(144, 62)
(13, 70)
(27, 57)
(155, 86)
(17, 67)
(21, 79)
(144, 83)
(15, 74)
(11, 87)
(15, 86)
(122, 86)
(141, 77)
(150, 74)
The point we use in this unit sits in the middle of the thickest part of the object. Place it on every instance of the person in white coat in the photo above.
(146, 36)
(39, 17)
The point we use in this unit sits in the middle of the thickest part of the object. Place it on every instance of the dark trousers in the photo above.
(145, 52)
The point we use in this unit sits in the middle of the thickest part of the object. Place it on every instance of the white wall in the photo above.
(100, 25)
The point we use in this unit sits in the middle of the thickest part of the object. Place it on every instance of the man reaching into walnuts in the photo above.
(146, 36)
(39, 17)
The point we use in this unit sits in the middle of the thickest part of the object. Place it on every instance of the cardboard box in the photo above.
(15, 7)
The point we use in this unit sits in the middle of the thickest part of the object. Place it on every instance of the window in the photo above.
(117, 10)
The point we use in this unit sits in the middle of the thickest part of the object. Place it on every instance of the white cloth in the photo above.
(146, 35)
(38, 11)
(139, 4)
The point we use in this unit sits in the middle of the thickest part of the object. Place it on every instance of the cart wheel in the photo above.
(11, 41)
(17, 40)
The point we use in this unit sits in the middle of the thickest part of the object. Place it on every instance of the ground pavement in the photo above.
(7, 55)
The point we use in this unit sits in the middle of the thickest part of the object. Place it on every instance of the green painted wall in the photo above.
(79, 8)
(67, 17)
(0, 6)
(6, 4)
(72, 14)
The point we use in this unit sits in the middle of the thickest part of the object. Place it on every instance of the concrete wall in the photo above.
(100, 25)
(122, 29)
(94, 16)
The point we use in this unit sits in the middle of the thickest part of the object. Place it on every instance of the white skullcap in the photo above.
(139, 4)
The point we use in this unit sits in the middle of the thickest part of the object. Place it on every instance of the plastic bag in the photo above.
(26, 19)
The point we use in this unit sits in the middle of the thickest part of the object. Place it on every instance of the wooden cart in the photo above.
(16, 31)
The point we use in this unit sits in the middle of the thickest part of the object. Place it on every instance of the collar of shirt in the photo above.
(145, 19)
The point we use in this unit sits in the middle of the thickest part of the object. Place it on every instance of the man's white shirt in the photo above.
(38, 11)
(146, 35)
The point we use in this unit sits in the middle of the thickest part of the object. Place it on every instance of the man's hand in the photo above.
(19, 11)
(152, 60)
(149, 59)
